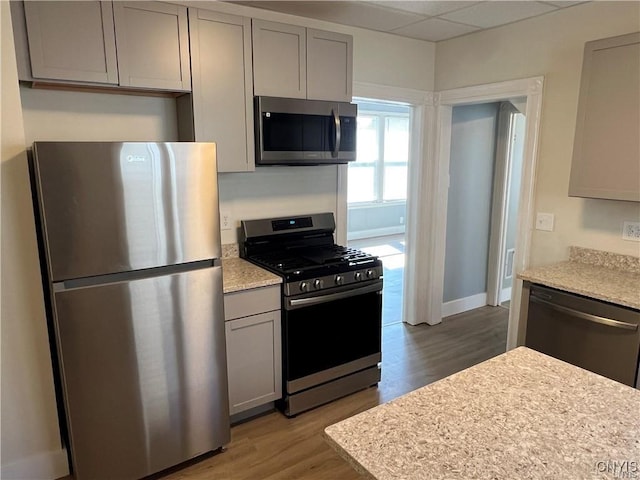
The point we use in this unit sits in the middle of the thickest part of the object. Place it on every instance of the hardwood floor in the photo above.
(275, 447)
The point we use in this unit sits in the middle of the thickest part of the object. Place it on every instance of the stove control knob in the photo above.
(317, 284)
(304, 287)
(370, 273)
(339, 279)
(357, 276)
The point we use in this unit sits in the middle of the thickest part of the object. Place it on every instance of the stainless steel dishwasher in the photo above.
(597, 336)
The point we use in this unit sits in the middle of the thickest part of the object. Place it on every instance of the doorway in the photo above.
(507, 181)
(428, 308)
(377, 193)
(484, 185)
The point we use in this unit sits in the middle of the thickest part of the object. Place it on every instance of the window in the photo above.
(379, 173)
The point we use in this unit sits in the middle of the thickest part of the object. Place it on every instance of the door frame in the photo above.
(438, 184)
(500, 203)
(422, 123)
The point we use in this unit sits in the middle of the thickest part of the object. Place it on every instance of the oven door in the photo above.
(330, 335)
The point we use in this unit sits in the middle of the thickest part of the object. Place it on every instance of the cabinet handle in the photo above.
(336, 120)
(587, 316)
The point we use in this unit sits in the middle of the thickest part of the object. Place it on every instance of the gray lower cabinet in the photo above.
(98, 43)
(253, 347)
(220, 108)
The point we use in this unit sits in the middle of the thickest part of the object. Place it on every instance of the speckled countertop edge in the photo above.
(239, 274)
(601, 275)
(520, 415)
(617, 261)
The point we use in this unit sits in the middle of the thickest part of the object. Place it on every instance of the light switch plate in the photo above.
(544, 221)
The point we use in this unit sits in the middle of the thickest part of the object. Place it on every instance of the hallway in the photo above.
(390, 249)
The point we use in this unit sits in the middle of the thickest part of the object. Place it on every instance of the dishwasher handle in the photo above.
(586, 316)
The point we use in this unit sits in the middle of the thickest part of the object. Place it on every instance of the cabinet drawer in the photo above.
(251, 302)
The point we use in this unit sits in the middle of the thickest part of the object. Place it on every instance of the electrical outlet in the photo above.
(225, 221)
(631, 231)
(544, 221)
(401, 220)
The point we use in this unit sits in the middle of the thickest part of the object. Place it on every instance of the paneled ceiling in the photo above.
(432, 20)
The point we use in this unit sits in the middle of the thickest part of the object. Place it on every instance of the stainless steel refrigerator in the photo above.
(130, 246)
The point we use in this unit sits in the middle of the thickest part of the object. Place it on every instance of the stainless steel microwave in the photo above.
(293, 131)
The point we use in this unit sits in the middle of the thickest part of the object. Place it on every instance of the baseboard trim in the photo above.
(42, 466)
(378, 232)
(464, 304)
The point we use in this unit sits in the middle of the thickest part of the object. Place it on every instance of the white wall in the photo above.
(31, 446)
(550, 45)
(276, 191)
(61, 115)
(30, 438)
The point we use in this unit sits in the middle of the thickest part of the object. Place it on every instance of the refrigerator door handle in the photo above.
(134, 275)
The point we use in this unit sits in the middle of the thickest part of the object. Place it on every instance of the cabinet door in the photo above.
(279, 60)
(329, 65)
(72, 41)
(223, 86)
(153, 45)
(254, 360)
(606, 152)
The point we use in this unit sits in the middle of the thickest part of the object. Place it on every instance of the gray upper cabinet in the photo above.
(329, 65)
(222, 99)
(143, 45)
(606, 151)
(297, 62)
(72, 41)
(279, 60)
(153, 45)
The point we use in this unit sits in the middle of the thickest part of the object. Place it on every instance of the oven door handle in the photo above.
(292, 304)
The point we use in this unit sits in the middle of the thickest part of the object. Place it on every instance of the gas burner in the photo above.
(306, 257)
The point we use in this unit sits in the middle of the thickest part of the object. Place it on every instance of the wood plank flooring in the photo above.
(273, 447)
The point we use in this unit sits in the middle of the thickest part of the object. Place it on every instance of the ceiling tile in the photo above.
(434, 29)
(493, 13)
(358, 14)
(430, 8)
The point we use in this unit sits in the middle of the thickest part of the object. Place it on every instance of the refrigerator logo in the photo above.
(136, 158)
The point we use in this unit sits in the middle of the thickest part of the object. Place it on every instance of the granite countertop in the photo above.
(601, 275)
(238, 274)
(520, 415)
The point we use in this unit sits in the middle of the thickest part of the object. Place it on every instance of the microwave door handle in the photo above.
(336, 120)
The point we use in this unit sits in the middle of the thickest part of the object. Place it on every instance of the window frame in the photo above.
(379, 165)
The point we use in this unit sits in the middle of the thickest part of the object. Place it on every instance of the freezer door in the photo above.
(144, 373)
(112, 207)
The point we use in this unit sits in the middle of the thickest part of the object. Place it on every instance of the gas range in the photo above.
(302, 251)
(327, 351)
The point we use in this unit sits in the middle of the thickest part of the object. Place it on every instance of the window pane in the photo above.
(367, 139)
(396, 139)
(360, 186)
(395, 183)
